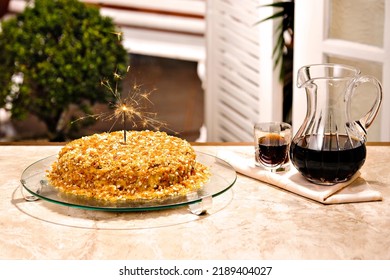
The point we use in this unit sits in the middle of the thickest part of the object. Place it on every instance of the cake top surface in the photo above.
(142, 148)
(149, 165)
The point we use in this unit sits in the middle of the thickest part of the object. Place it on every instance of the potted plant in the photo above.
(54, 55)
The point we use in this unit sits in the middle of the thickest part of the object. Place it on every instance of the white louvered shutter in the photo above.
(241, 85)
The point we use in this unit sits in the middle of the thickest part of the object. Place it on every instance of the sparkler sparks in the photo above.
(131, 110)
(118, 35)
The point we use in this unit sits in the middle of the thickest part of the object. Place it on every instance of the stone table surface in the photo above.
(252, 220)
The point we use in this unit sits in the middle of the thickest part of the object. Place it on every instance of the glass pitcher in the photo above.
(329, 147)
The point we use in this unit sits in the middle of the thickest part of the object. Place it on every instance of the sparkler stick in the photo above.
(124, 108)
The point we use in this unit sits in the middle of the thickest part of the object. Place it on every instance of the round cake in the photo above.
(149, 165)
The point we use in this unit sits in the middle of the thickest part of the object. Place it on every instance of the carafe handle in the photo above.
(366, 121)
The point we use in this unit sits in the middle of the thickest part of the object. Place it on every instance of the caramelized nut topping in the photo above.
(150, 165)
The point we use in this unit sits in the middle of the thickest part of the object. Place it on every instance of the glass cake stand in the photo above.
(223, 176)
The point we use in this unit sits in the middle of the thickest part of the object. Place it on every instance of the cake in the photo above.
(149, 165)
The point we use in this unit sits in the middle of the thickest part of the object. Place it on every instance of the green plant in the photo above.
(283, 48)
(283, 51)
(53, 55)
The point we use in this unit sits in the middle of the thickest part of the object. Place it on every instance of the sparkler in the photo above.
(132, 109)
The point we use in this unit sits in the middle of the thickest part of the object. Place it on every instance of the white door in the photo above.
(354, 32)
(242, 86)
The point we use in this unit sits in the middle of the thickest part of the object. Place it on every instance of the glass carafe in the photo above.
(329, 147)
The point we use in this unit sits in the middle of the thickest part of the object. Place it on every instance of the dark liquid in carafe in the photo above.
(339, 159)
(272, 150)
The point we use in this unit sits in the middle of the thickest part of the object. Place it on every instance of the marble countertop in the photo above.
(252, 220)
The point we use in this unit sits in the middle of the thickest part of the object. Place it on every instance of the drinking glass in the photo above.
(272, 144)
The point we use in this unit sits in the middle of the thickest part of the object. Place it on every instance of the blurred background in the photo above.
(213, 64)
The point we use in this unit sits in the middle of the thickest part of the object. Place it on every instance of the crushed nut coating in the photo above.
(150, 165)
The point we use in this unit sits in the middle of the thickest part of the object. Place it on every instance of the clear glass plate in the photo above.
(223, 177)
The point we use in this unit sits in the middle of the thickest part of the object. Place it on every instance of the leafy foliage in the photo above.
(282, 49)
(53, 55)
